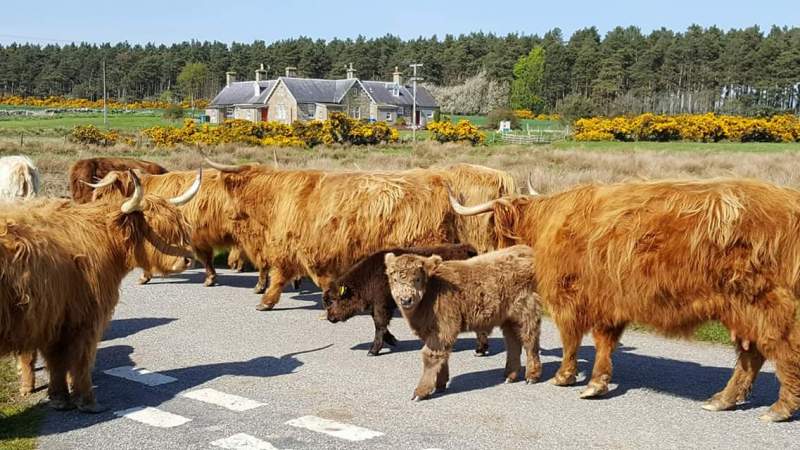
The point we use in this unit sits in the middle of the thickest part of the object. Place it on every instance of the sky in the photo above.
(168, 21)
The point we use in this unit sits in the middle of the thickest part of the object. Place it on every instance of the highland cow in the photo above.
(440, 299)
(87, 171)
(364, 287)
(19, 178)
(671, 255)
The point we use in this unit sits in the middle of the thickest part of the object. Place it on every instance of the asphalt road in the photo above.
(290, 372)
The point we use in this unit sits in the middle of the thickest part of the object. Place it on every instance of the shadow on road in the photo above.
(496, 345)
(120, 328)
(119, 394)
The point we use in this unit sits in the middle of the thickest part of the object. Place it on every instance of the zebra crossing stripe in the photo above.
(232, 402)
(142, 376)
(335, 429)
(242, 441)
(153, 417)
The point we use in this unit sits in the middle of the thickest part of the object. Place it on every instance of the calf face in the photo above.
(343, 302)
(408, 277)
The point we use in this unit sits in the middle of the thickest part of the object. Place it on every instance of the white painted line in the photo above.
(243, 441)
(142, 376)
(232, 402)
(153, 417)
(336, 429)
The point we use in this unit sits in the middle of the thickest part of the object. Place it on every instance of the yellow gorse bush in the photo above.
(690, 127)
(91, 135)
(463, 131)
(528, 114)
(338, 129)
(80, 103)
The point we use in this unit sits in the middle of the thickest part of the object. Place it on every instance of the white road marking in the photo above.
(153, 417)
(336, 429)
(142, 376)
(232, 402)
(242, 441)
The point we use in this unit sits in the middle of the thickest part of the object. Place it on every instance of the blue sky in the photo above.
(167, 21)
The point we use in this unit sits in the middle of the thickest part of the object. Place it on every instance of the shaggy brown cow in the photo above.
(319, 223)
(207, 213)
(439, 299)
(90, 170)
(670, 254)
(364, 287)
(61, 265)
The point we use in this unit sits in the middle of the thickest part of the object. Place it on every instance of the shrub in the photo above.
(91, 135)
(575, 107)
(173, 112)
(500, 114)
(462, 131)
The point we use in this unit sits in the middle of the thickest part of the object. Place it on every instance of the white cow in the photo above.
(19, 178)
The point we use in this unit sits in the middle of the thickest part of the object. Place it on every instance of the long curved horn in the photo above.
(531, 190)
(106, 181)
(135, 202)
(191, 192)
(470, 210)
(224, 167)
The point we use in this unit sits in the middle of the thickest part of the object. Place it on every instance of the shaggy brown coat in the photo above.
(440, 299)
(61, 265)
(320, 223)
(364, 287)
(93, 169)
(208, 212)
(672, 255)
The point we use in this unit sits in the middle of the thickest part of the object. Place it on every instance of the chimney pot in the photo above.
(291, 72)
(397, 76)
(351, 72)
(230, 77)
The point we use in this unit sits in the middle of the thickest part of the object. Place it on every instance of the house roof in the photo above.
(311, 90)
(382, 93)
(242, 92)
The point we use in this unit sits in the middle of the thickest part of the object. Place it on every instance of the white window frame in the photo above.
(388, 116)
(355, 112)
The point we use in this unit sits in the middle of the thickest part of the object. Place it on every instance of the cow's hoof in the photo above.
(716, 404)
(92, 408)
(482, 352)
(60, 404)
(263, 307)
(25, 391)
(774, 416)
(144, 280)
(510, 380)
(594, 390)
(259, 289)
(532, 380)
(563, 380)
(210, 282)
(373, 352)
(389, 339)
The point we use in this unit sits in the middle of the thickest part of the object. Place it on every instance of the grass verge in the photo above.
(19, 418)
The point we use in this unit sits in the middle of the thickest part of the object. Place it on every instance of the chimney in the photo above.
(230, 77)
(261, 73)
(396, 76)
(351, 73)
(291, 72)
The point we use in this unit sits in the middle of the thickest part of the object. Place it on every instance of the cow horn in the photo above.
(106, 181)
(531, 190)
(190, 193)
(470, 210)
(135, 202)
(224, 167)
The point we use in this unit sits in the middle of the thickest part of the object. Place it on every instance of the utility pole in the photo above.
(105, 97)
(414, 121)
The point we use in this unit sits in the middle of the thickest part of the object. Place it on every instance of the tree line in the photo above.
(743, 71)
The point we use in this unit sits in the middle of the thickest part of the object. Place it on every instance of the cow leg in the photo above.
(443, 377)
(605, 341)
(571, 336)
(277, 279)
(529, 334)
(145, 277)
(433, 361)
(513, 352)
(482, 343)
(297, 283)
(786, 354)
(207, 255)
(381, 318)
(26, 363)
(82, 354)
(263, 280)
(748, 364)
(57, 361)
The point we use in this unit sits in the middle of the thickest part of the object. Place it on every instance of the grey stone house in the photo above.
(291, 98)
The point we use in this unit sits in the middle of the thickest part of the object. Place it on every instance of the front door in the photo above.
(264, 114)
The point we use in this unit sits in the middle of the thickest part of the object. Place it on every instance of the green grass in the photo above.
(60, 125)
(19, 419)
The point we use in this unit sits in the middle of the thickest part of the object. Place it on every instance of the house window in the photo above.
(355, 112)
(281, 113)
(430, 114)
(388, 116)
(401, 111)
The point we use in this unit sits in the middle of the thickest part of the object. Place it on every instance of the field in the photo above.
(19, 418)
